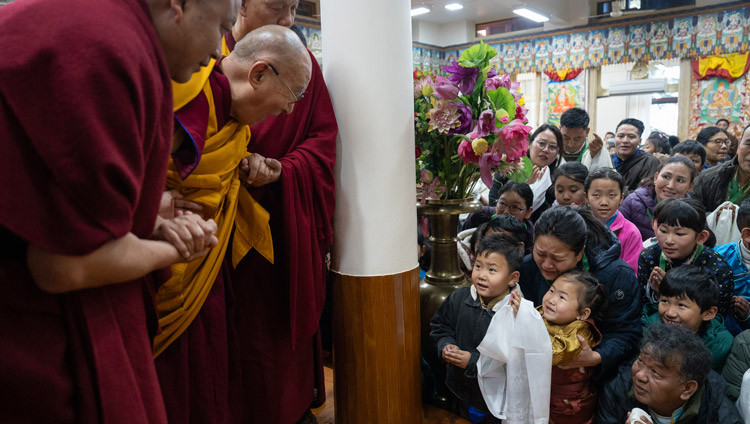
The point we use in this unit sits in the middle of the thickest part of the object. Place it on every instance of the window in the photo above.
(506, 25)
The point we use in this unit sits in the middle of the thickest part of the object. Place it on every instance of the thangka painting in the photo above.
(705, 38)
(315, 42)
(616, 46)
(659, 44)
(597, 43)
(577, 49)
(731, 36)
(496, 62)
(509, 57)
(637, 45)
(562, 96)
(720, 99)
(682, 38)
(542, 53)
(525, 56)
(559, 51)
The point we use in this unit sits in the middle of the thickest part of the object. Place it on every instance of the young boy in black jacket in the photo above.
(462, 321)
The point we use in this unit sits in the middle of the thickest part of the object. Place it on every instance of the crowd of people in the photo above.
(167, 210)
(637, 259)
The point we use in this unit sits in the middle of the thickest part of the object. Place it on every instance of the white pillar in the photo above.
(367, 65)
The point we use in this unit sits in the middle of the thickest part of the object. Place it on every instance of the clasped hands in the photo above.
(179, 223)
(257, 171)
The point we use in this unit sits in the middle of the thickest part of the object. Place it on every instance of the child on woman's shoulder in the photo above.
(462, 321)
(568, 309)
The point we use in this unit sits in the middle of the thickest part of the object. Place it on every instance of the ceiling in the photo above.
(561, 12)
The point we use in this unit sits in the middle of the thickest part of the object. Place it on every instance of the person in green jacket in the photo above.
(689, 296)
(737, 363)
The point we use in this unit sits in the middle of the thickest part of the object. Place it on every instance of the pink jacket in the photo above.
(630, 240)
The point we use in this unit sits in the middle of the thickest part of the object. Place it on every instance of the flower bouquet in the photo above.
(468, 125)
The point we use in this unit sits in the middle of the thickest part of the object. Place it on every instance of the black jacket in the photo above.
(712, 185)
(637, 167)
(621, 326)
(617, 399)
(461, 321)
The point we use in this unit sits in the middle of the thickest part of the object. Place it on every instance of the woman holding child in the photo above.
(568, 239)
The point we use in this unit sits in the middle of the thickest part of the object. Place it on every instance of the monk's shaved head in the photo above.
(276, 45)
(268, 72)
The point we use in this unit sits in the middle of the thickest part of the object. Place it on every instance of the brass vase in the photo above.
(444, 275)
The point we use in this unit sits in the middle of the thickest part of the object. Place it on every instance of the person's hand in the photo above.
(595, 145)
(456, 356)
(536, 174)
(515, 302)
(657, 274)
(586, 358)
(172, 204)
(190, 234)
(740, 306)
(257, 171)
(728, 206)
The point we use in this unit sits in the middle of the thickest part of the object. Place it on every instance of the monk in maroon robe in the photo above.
(85, 134)
(278, 306)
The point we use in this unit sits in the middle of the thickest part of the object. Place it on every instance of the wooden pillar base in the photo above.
(376, 355)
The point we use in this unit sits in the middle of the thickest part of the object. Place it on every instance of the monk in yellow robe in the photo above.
(265, 75)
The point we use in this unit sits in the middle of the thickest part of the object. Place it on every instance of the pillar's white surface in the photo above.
(367, 66)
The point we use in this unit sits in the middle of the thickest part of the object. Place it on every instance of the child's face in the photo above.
(678, 242)
(490, 275)
(683, 311)
(560, 303)
(648, 147)
(511, 203)
(569, 192)
(696, 159)
(604, 197)
(673, 181)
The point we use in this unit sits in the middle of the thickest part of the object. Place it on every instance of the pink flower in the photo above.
(445, 89)
(466, 152)
(486, 123)
(497, 81)
(514, 140)
(444, 116)
(521, 113)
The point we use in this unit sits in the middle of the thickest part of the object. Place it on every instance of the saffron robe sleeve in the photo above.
(85, 134)
(305, 144)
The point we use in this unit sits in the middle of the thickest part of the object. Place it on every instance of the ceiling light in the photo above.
(419, 11)
(454, 6)
(528, 14)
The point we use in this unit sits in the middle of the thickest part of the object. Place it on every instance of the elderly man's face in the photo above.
(270, 12)
(658, 385)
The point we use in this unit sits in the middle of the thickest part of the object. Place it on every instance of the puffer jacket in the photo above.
(620, 324)
(737, 363)
(712, 185)
(707, 406)
(634, 208)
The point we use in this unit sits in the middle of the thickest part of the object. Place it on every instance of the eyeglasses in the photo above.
(502, 206)
(552, 147)
(720, 141)
(296, 97)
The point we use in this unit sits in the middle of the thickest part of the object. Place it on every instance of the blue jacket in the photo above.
(620, 325)
(731, 253)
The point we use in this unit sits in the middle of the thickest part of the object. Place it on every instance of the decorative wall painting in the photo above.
(616, 43)
(577, 49)
(561, 97)
(720, 99)
(597, 44)
(559, 51)
(731, 37)
(682, 40)
(659, 43)
(542, 53)
(705, 39)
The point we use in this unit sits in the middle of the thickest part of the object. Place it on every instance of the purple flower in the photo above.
(486, 123)
(464, 119)
(497, 81)
(445, 89)
(464, 78)
(491, 73)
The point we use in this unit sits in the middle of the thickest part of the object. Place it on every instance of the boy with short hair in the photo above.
(462, 321)
(692, 150)
(689, 297)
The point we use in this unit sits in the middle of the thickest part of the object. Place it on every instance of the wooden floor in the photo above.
(430, 414)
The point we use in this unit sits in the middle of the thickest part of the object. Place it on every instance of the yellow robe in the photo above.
(215, 185)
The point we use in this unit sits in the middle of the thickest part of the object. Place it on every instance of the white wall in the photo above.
(442, 35)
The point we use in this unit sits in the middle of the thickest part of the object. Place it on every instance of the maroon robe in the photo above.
(85, 133)
(194, 369)
(279, 306)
